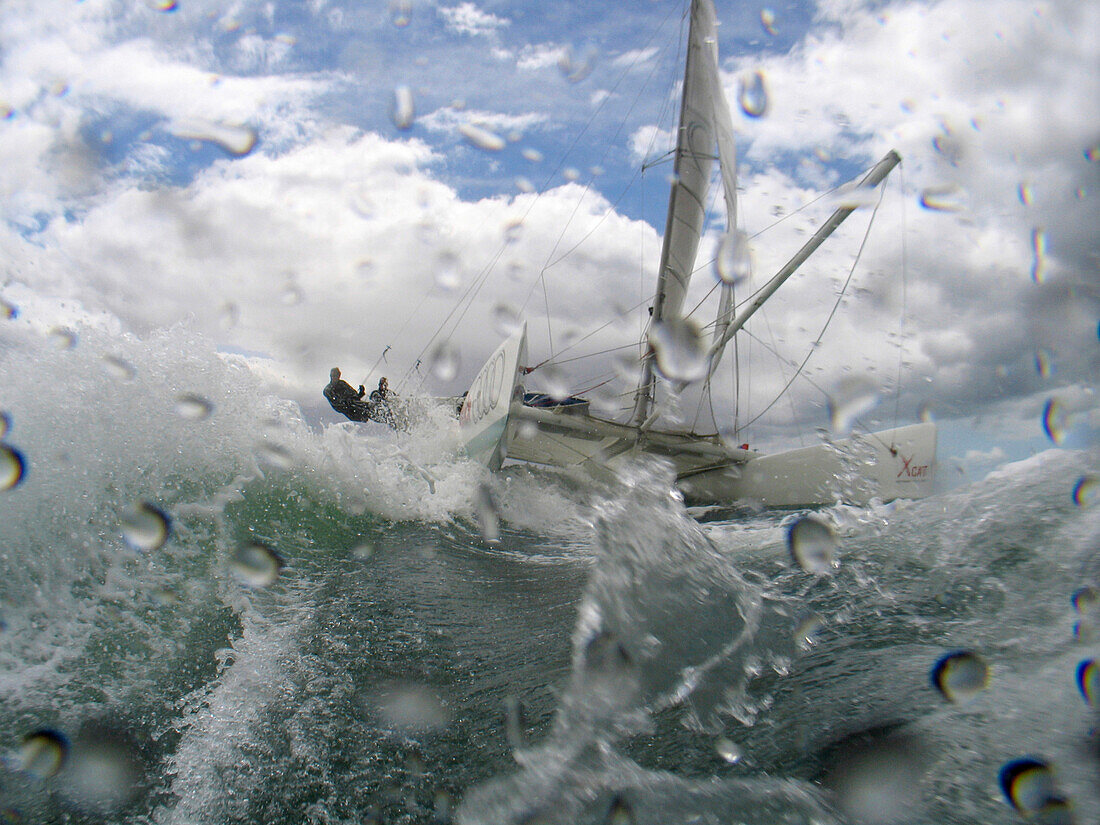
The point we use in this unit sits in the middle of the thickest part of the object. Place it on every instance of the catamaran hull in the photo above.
(887, 465)
(496, 424)
(484, 416)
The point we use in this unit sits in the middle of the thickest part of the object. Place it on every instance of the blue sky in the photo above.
(137, 198)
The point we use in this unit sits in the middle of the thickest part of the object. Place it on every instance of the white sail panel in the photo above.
(694, 159)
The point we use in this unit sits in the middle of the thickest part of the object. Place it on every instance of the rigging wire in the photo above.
(904, 300)
(836, 305)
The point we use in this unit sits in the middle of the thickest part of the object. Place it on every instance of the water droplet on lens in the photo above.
(144, 526)
(43, 753)
(162, 5)
(401, 12)
(680, 349)
(488, 516)
(812, 544)
(291, 294)
(513, 231)
(8, 310)
(533, 155)
(411, 708)
(1026, 194)
(1086, 492)
(852, 398)
(1093, 153)
(229, 315)
(570, 174)
(1085, 599)
(363, 551)
(506, 319)
(62, 338)
(256, 565)
(852, 196)
(728, 750)
(445, 362)
(1088, 682)
(193, 407)
(448, 275)
(403, 111)
(620, 812)
(805, 634)
(752, 94)
(235, 139)
(1027, 783)
(120, 368)
(1055, 421)
(12, 467)
(1039, 255)
(1044, 363)
(733, 263)
(525, 185)
(515, 723)
(275, 455)
(947, 198)
(576, 69)
(482, 138)
(767, 20)
(5, 423)
(103, 774)
(960, 676)
(555, 382)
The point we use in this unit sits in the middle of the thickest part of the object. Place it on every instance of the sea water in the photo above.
(212, 611)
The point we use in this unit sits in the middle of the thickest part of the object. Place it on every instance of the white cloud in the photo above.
(541, 56)
(466, 18)
(448, 120)
(635, 57)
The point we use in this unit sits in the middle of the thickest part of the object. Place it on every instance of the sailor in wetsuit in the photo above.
(346, 400)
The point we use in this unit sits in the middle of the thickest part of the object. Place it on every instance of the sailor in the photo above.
(381, 401)
(383, 392)
(346, 400)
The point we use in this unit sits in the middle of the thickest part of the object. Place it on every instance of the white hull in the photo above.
(887, 465)
(496, 425)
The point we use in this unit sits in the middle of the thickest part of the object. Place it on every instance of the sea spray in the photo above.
(641, 646)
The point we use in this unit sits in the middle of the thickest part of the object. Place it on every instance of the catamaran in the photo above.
(500, 421)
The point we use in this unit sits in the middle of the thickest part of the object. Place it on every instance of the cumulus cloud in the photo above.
(338, 235)
(468, 19)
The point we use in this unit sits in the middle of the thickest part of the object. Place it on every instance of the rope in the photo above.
(836, 305)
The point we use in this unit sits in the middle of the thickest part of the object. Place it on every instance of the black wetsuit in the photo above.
(346, 401)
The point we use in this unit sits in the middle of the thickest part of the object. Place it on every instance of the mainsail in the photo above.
(705, 128)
